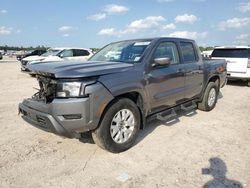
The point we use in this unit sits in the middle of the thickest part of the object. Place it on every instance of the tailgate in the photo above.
(237, 64)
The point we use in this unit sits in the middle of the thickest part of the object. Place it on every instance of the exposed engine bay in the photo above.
(47, 90)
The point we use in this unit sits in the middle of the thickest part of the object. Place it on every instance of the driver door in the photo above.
(165, 84)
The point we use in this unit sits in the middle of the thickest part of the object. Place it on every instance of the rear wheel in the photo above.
(210, 97)
(248, 83)
(119, 127)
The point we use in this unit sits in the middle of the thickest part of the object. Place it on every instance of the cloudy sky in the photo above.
(95, 23)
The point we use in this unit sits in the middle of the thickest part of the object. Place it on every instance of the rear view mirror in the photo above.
(161, 61)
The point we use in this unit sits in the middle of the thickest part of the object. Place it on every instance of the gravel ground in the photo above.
(200, 149)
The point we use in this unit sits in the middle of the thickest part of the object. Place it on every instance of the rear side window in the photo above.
(188, 52)
(79, 52)
(234, 53)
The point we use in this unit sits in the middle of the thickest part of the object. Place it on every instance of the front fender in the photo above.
(127, 88)
(99, 97)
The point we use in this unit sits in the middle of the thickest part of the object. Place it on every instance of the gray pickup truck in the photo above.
(122, 85)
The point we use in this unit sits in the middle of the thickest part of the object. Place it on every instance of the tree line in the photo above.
(18, 48)
(21, 48)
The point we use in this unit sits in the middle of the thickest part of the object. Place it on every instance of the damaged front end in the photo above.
(52, 114)
(47, 91)
(64, 106)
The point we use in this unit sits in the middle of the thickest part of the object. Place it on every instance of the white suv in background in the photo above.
(58, 54)
(238, 61)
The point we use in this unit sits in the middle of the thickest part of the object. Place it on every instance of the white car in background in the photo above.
(58, 54)
(238, 61)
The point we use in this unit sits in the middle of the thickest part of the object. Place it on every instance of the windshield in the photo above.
(234, 53)
(51, 52)
(126, 51)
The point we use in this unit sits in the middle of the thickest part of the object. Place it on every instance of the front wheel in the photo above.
(210, 97)
(119, 126)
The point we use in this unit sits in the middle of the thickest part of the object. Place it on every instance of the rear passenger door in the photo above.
(193, 66)
(165, 84)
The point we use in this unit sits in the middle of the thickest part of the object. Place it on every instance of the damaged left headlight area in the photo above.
(47, 89)
(59, 88)
(72, 89)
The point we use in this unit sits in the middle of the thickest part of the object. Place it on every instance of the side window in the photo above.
(188, 52)
(167, 49)
(133, 52)
(66, 53)
(79, 52)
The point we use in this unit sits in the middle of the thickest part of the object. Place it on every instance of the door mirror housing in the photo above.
(161, 61)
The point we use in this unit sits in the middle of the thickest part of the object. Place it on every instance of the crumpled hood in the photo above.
(71, 69)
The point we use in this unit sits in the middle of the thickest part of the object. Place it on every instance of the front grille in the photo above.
(46, 91)
(41, 120)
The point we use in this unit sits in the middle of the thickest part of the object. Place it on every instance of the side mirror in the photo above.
(161, 61)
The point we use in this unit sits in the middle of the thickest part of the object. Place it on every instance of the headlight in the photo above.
(70, 89)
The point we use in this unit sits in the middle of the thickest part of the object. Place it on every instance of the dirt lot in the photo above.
(205, 149)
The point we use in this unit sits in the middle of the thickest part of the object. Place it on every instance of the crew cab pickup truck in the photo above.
(122, 85)
(238, 61)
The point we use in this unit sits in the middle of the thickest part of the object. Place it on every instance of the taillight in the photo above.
(248, 63)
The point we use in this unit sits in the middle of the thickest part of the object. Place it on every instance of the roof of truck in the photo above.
(156, 39)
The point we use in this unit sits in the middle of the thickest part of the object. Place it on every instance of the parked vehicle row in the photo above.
(57, 55)
(30, 53)
(126, 82)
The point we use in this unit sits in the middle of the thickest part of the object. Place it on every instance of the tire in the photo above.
(210, 97)
(110, 135)
(248, 83)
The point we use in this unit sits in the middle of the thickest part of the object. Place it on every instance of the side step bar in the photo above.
(171, 113)
(188, 106)
(166, 115)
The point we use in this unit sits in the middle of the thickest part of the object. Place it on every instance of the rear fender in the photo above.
(216, 80)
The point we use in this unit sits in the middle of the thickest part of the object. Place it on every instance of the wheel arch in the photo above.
(137, 98)
(213, 78)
